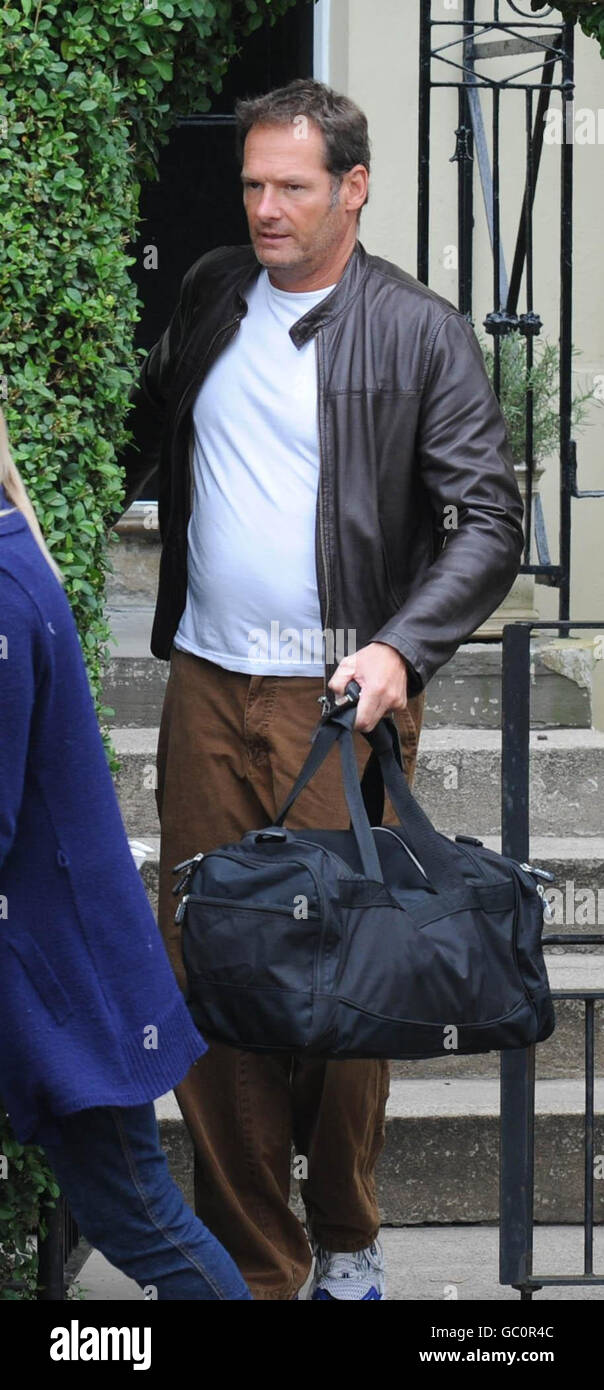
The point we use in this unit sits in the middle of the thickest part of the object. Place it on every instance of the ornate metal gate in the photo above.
(457, 51)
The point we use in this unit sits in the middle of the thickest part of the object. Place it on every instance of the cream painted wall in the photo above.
(373, 56)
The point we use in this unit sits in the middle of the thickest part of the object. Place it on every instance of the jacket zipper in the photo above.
(197, 381)
(194, 386)
(322, 458)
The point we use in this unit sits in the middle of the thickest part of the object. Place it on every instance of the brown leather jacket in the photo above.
(419, 518)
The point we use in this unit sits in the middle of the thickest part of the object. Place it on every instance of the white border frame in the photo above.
(321, 28)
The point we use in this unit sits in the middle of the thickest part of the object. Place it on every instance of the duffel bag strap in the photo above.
(438, 856)
(326, 735)
(372, 782)
(356, 805)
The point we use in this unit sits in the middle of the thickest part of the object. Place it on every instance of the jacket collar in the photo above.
(334, 304)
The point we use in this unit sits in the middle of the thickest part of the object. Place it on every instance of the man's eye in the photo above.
(294, 185)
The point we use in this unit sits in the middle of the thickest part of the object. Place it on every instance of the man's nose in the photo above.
(268, 206)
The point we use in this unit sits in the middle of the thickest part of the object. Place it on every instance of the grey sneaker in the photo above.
(356, 1276)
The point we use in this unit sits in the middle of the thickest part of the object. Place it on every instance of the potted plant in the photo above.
(543, 380)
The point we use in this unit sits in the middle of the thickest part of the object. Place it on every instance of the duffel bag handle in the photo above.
(437, 855)
(435, 852)
(335, 727)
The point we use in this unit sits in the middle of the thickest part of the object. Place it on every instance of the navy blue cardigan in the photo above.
(90, 1011)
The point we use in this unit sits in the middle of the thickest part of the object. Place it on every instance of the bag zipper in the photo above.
(473, 860)
(350, 873)
(242, 907)
(528, 868)
(389, 831)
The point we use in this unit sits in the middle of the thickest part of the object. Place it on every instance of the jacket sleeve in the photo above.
(148, 398)
(466, 467)
(20, 662)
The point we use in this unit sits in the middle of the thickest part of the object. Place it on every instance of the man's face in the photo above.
(287, 195)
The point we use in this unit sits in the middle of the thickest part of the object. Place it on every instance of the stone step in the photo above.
(458, 780)
(466, 692)
(440, 1162)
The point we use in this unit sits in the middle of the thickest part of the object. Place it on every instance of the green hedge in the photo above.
(588, 13)
(87, 95)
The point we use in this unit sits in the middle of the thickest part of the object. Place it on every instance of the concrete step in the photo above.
(466, 692)
(440, 1161)
(458, 780)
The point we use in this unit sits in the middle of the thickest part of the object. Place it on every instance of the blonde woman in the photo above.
(93, 1025)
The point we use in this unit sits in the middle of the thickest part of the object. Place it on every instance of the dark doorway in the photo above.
(196, 204)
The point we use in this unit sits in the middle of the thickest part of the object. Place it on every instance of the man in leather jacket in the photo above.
(331, 455)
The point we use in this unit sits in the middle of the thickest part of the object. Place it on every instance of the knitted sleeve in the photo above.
(20, 672)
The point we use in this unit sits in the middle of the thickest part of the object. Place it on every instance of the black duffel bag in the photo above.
(391, 941)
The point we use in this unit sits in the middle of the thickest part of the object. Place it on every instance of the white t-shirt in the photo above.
(252, 601)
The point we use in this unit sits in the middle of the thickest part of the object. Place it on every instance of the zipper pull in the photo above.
(187, 865)
(181, 909)
(548, 915)
(539, 873)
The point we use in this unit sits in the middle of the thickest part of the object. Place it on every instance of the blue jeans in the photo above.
(111, 1168)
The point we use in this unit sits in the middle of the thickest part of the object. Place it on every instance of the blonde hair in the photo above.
(15, 490)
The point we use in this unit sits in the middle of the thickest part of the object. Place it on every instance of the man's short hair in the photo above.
(341, 122)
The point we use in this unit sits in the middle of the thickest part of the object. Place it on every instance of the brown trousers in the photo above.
(230, 746)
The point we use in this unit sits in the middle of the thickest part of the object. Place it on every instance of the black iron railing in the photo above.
(517, 1116)
(55, 1249)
